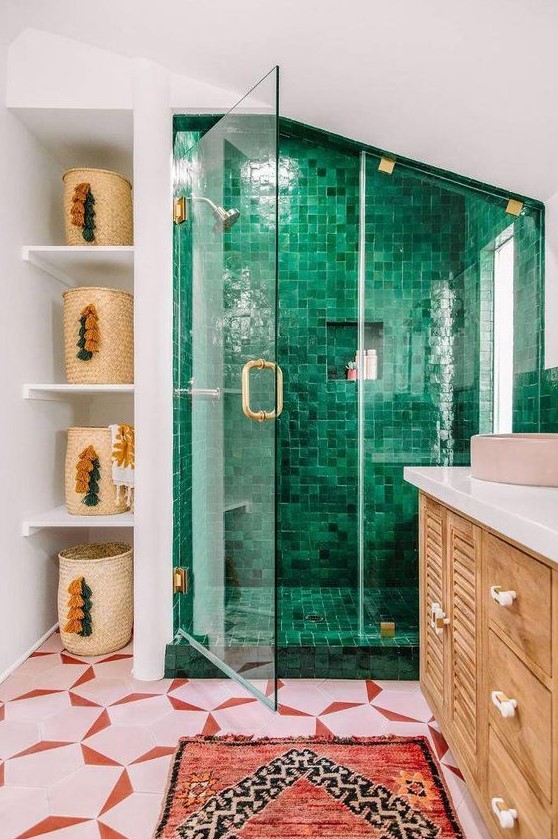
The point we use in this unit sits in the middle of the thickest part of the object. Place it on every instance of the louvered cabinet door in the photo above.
(432, 601)
(463, 545)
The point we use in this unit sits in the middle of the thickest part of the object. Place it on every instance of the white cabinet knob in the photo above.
(503, 598)
(505, 705)
(505, 815)
(438, 618)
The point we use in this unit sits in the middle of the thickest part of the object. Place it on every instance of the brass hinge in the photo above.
(514, 207)
(180, 581)
(387, 629)
(387, 165)
(180, 211)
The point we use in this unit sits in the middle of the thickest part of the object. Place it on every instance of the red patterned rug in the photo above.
(239, 788)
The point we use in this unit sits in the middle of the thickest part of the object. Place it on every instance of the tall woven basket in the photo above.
(97, 208)
(95, 598)
(90, 490)
(99, 336)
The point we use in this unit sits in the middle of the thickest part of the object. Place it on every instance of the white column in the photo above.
(153, 368)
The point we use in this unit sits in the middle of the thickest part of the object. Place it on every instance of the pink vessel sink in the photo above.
(528, 459)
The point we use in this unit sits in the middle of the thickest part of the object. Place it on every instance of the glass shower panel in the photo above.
(228, 289)
(430, 247)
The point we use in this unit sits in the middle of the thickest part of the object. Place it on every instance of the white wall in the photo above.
(31, 433)
(38, 73)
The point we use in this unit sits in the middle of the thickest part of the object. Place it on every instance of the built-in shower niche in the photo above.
(342, 345)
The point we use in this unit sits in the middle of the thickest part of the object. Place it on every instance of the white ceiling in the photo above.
(468, 85)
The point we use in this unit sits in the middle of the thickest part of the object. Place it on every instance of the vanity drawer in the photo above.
(505, 782)
(527, 732)
(527, 620)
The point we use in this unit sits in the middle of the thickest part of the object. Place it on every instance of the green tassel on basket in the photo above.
(86, 629)
(79, 616)
(88, 231)
(83, 211)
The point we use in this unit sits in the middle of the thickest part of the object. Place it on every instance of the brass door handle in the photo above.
(260, 364)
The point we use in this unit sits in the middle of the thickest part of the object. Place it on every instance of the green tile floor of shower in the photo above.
(429, 244)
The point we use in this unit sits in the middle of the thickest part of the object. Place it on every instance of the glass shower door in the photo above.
(228, 264)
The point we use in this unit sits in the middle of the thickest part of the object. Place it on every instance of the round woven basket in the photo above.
(111, 207)
(103, 499)
(99, 619)
(112, 358)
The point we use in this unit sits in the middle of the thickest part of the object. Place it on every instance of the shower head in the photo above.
(224, 219)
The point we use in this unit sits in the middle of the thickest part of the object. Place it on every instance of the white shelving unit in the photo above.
(57, 392)
(118, 117)
(59, 517)
(73, 265)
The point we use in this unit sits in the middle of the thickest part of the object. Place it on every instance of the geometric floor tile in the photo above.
(43, 768)
(85, 792)
(150, 775)
(87, 748)
(122, 743)
(15, 737)
(70, 724)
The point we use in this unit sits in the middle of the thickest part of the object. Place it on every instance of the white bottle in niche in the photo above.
(371, 365)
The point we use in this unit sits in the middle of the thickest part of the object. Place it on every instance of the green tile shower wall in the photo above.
(429, 254)
(182, 415)
(182, 422)
(413, 246)
(317, 434)
(250, 312)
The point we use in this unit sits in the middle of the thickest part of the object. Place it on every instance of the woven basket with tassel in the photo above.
(95, 598)
(90, 490)
(99, 336)
(97, 208)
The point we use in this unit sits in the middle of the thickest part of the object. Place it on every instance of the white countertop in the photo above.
(528, 515)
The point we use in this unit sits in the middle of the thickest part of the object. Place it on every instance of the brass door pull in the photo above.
(261, 364)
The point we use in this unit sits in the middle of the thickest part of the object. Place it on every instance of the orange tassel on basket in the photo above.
(75, 601)
(79, 608)
(89, 333)
(82, 211)
(75, 586)
(87, 477)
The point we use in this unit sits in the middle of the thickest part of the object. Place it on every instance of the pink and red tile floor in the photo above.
(85, 748)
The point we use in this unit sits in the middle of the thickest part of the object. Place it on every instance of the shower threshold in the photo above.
(330, 647)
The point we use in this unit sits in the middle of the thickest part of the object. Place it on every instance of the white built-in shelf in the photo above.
(238, 505)
(59, 517)
(73, 265)
(58, 392)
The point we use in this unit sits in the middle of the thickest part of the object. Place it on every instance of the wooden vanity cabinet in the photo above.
(489, 635)
(450, 623)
